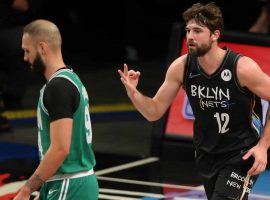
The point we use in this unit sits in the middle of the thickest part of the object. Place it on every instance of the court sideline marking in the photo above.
(131, 193)
(127, 166)
(13, 187)
(148, 183)
(109, 197)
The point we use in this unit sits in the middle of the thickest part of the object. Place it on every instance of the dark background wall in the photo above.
(102, 35)
(113, 31)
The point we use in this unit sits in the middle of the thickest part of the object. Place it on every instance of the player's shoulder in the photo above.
(57, 81)
(179, 63)
(60, 84)
(246, 64)
(245, 61)
(176, 69)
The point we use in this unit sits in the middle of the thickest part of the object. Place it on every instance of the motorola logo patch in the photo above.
(226, 75)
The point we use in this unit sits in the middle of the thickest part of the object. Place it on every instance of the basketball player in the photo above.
(223, 88)
(64, 127)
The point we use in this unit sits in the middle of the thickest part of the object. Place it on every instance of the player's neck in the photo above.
(53, 66)
(212, 59)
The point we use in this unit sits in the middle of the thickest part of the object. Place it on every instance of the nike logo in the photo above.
(193, 75)
(52, 191)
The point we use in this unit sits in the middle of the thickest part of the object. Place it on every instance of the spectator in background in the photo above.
(14, 14)
(262, 23)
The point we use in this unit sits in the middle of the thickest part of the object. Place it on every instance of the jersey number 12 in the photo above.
(222, 120)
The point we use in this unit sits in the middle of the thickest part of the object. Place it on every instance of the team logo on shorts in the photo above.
(226, 75)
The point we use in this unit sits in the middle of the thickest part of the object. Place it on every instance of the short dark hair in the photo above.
(208, 15)
(45, 30)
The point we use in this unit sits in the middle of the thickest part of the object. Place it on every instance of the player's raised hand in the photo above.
(129, 78)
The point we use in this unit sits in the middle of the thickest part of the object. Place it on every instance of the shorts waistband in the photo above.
(70, 176)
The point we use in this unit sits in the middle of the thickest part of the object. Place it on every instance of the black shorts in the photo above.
(231, 182)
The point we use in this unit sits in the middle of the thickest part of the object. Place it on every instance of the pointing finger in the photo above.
(125, 69)
(120, 73)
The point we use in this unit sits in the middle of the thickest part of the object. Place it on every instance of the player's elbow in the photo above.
(155, 111)
(154, 115)
(62, 151)
(65, 151)
(153, 118)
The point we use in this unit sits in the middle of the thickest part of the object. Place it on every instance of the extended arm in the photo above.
(259, 152)
(265, 139)
(251, 76)
(153, 108)
(61, 99)
(60, 133)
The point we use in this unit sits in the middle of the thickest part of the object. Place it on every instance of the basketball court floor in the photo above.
(125, 168)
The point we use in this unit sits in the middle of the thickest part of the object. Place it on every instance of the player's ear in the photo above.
(43, 46)
(215, 35)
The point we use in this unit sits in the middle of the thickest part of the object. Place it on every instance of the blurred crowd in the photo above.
(111, 31)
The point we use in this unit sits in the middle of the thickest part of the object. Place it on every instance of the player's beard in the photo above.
(198, 51)
(38, 65)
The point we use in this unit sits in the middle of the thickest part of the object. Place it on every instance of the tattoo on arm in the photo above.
(34, 182)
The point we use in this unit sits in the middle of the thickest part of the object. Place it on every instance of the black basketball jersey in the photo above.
(228, 118)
